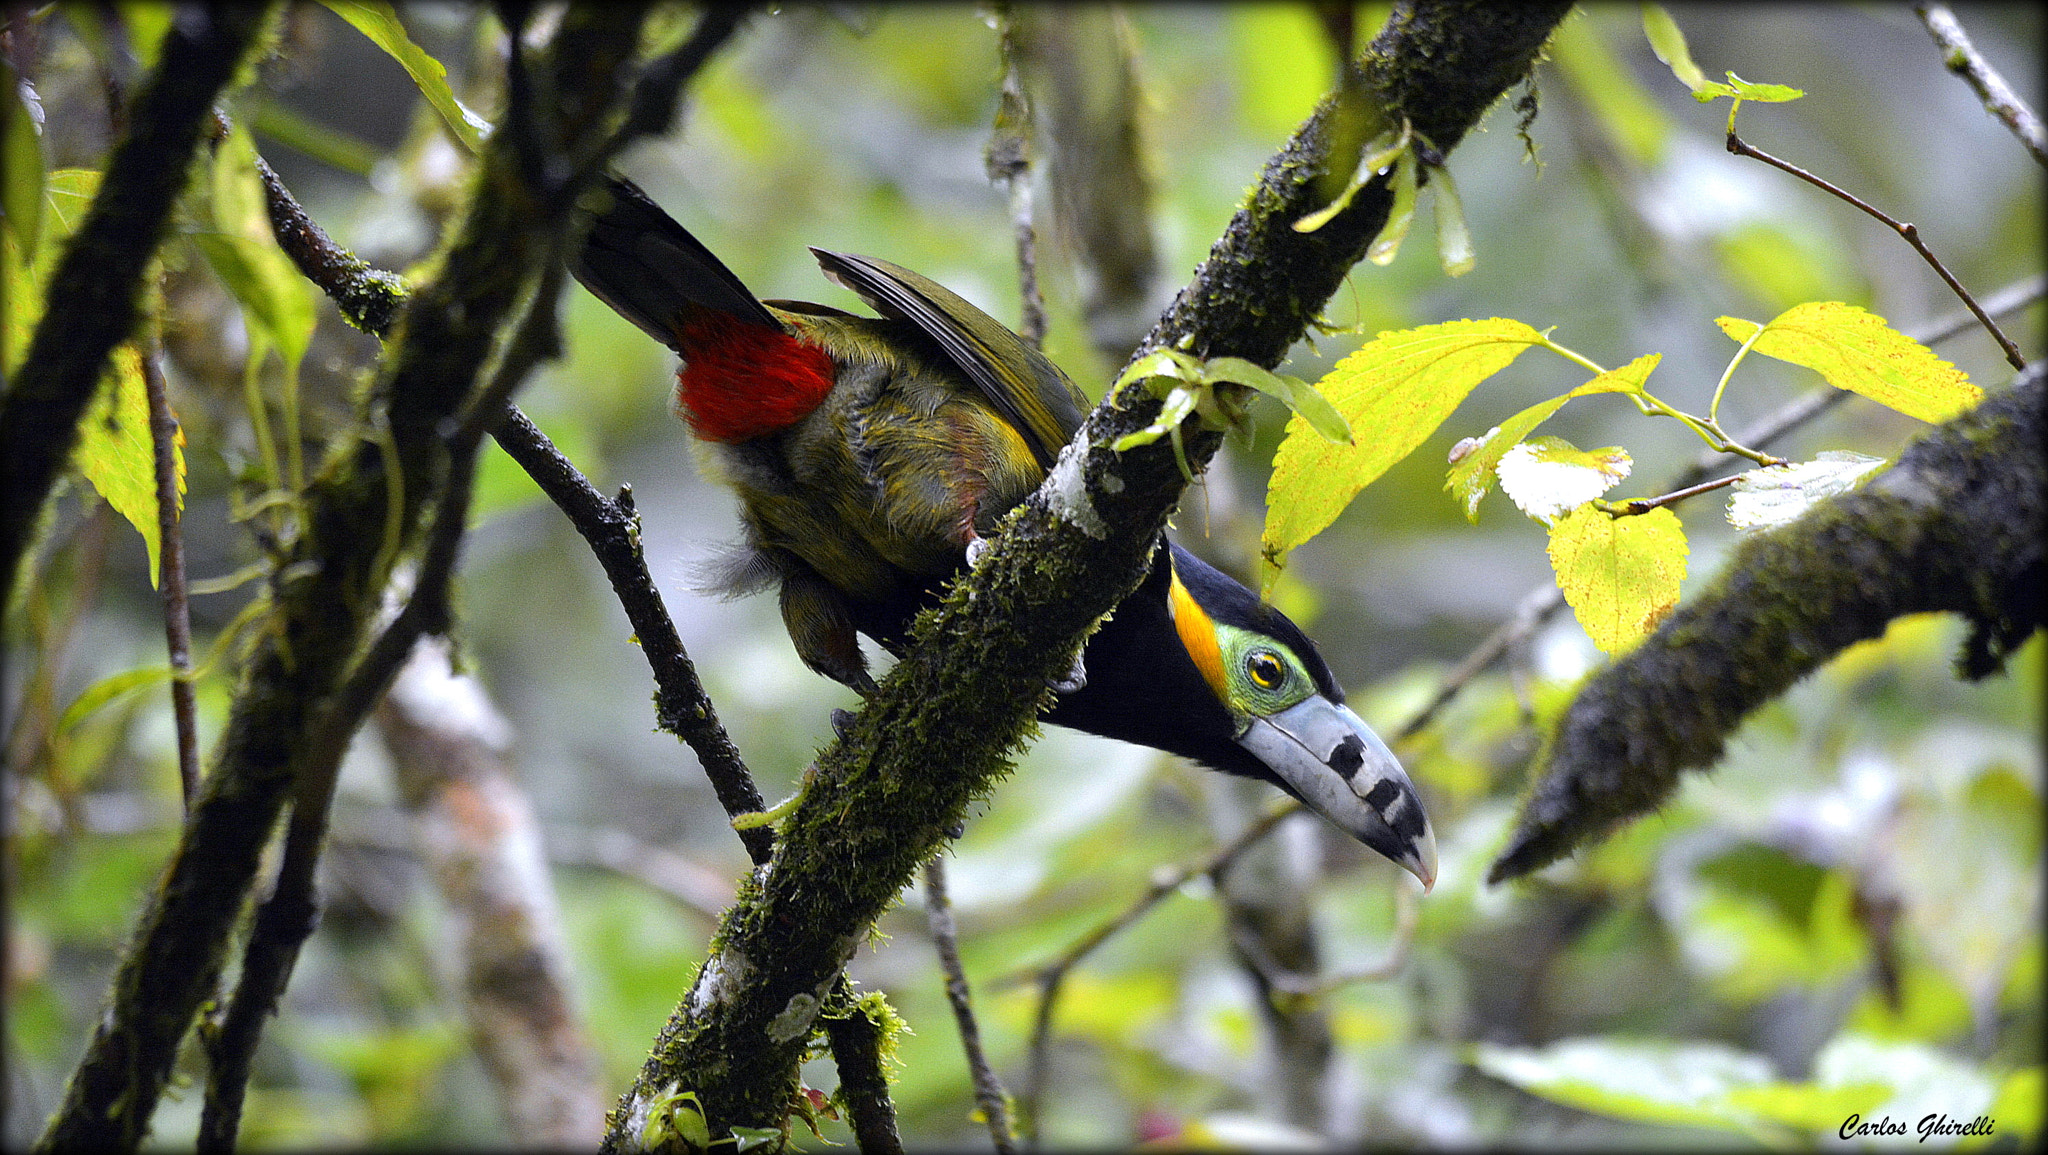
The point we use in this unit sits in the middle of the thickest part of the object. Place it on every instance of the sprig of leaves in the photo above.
(1619, 564)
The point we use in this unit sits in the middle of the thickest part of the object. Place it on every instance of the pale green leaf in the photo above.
(1776, 494)
(244, 253)
(1394, 391)
(379, 22)
(98, 695)
(1378, 155)
(21, 175)
(1299, 396)
(1453, 236)
(116, 454)
(1677, 1084)
(66, 196)
(1386, 246)
(1856, 350)
(1763, 93)
(1173, 409)
(1473, 472)
(1160, 363)
(274, 298)
(1603, 82)
(1547, 476)
(1668, 42)
(1620, 575)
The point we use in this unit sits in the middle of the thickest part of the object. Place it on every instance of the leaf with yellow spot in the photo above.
(1620, 575)
(1394, 392)
(1856, 350)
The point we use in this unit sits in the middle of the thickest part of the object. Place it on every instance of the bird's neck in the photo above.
(742, 380)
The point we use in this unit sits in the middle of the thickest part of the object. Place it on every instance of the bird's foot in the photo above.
(842, 723)
(976, 546)
(1076, 678)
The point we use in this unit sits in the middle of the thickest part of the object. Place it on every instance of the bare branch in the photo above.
(1963, 59)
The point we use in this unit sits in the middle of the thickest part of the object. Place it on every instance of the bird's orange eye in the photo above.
(1265, 669)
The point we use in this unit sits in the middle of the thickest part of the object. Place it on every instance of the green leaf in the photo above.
(1393, 392)
(245, 255)
(1387, 245)
(104, 691)
(1453, 236)
(1678, 1084)
(1763, 93)
(66, 195)
(1299, 396)
(1776, 494)
(1473, 472)
(1856, 350)
(1620, 575)
(1547, 476)
(2019, 1101)
(1668, 42)
(1378, 155)
(116, 455)
(1601, 80)
(21, 148)
(379, 22)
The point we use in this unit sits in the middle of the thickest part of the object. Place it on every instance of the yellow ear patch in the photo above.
(1198, 637)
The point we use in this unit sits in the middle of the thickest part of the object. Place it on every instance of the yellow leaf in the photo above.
(1394, 391)
(1473, 472)
(1856, 350)
(1620, 575)
(116, 454)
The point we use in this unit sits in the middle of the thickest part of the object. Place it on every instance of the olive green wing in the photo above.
(1022, 383)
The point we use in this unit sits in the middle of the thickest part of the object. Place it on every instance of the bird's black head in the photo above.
(1194, 664)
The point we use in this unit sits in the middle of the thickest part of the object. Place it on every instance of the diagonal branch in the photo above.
(373, 492)
(1954, 526)
(1965, 61)
(94, 299)
(938, 732)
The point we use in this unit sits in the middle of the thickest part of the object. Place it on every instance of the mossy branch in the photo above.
(1956, 525)
(379, 479)
(95, 294)
(938, 733)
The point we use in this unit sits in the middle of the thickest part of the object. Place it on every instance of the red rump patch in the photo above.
(741, 380)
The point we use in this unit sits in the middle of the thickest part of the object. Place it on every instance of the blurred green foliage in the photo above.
(1844, 917)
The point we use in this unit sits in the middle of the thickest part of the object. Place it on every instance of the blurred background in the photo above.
(1853, 897)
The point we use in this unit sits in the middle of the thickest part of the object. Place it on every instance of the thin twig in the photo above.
(1906, 229)
(369, 298)
(1049, 977)
(1538, 606)
(163, 432)
(288, 916)
(1963, 59)
(1542, 602)
(1407, 917)
(1009, 162)
(988, 1089)
(863, 1083)
(1641, 505)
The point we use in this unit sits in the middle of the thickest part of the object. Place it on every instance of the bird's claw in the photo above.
(1076, 678)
